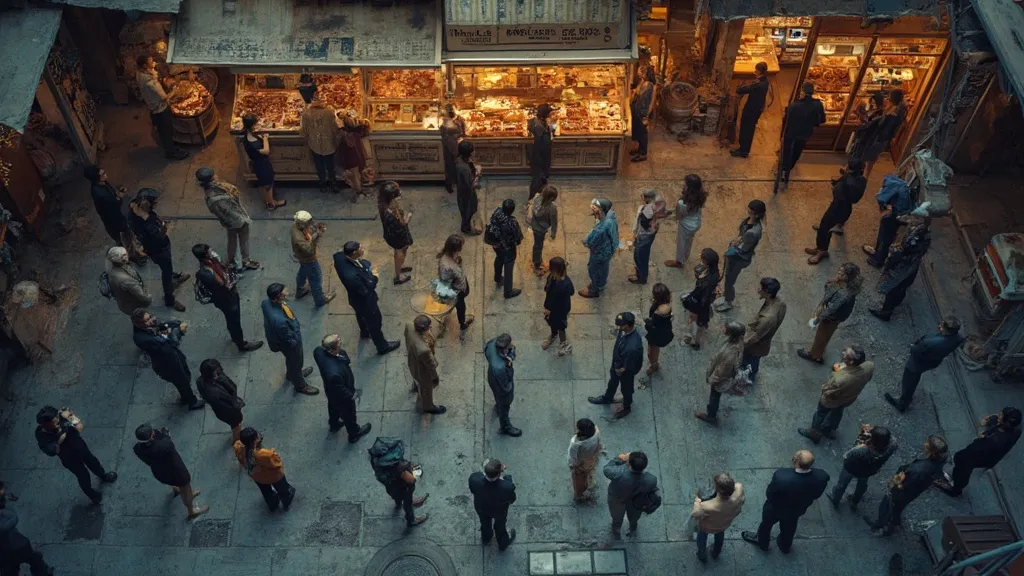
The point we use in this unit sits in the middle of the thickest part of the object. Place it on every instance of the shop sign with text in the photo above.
(569, 36)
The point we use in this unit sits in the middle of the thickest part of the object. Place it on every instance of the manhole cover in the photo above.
(411, 557)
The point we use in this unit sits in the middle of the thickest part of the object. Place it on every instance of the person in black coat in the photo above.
(926, 354)
(284, 335)
(361, 285)
(627, 359)
(500, 354)
(999, 434)
(493, 493)
(911, 480)
(110, 206)
(901, 267)
(873, 449)
(558, 293)
(59, 433)
(221, 393)
(151, 231)
(156, 450)
(15, 548)
(802, 117)
(847, 190)
(467, 182)
(340, 387)
(160, 341)
(790, 493)
(756, 92)
(540, 153)
(221, 285)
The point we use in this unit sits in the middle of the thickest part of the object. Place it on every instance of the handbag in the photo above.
(647, 502)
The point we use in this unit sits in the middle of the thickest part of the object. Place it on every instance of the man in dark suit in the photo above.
(926, 354)
(361, 285)
(493, 493)
(221, 284)
(339, 386)
(802, 117)
(999, 433)
(160, 341)
(756, 92)
(156, 450)
(284, 335)
(627, 359)
(500, 354)
(790, 493)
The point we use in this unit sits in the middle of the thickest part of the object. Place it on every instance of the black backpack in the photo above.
(385, 456)
(647, 502)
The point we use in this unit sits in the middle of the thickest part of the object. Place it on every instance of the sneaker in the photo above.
(564, 349)
(723, 306)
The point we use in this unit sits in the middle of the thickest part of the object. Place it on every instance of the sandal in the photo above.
(251, 265)
(401, 280)
(688, 340)
(547, 343)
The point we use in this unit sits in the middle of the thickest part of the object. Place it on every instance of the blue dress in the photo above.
(260, 163)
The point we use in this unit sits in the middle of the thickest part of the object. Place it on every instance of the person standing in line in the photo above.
(109, 203)
(507, 235)
(161, 341)
(873, 449)
(453, 130)
(688, 215)
(584, 450)
(157, 100)
(285, 336)
(257, 148)
(540, 153)
(419, 345)
(628, 481)
(467, 182)
(156, 450)
(716, 513)
(602, 241)
(999, 434)
(697, 302)
(894, 203)
(788, 496)
(395, 221)
(901, 267)
(627, 360)
(641, 109)
(722, 370)
(887, 129)
(450, 272)
(645, 228)
(800, 120)
(266, 469)
(835, 307)
(501, 354)
(353, 157)
(846, 191)
(400, 484)
(758, 341)
(493, 493)
(221, 284)
(223, 201)
(126, 285)
(910, 481)
(221, 393)
(15, 548)
(59, 433)
(306, 236)
(658, 325)
(356, 275)
(848, 379)
(740, 253)
(151, 231)
(756, 92)
(319, 126)
(339, 387)
(542, 216)
(558, 292)
(926, 354)
(864, 137)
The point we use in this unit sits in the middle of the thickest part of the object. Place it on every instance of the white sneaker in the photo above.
(564, 349)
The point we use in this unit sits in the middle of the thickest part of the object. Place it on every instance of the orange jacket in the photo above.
(268, 469)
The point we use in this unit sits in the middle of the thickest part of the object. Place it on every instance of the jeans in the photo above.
(163, 260)
(538, 248)
(504, 264)
(371, 323)
(844, 480)
(702, 543)
(81, 469)
(888, 228)
(164, 123)
(908, 386)
(293, 360)
(754, 362)
(894, 297)
(324, 164)
(233, 317)
(642, 256)
(733, 266)
(787, 528)
(625, 381)
(494, 526)
(826, 420)
(618, 509)
(714, 399)
(460, 307)
(279, 492)
(238, 238)
(310, 272)
(597, 269)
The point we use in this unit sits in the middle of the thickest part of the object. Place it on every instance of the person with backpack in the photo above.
(122, 282)
(151, 231)
(542, 216)
(224, 202)
(505, 235)
(493, 493)
(218, 285)
(266, 469)
(788, 496)
(847, 190)
(602, 241)
(631, 492)
(390, 468)
(161, 341)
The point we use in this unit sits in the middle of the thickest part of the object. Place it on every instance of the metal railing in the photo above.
(991, 563)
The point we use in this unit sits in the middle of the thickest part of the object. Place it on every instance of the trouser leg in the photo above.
(84, 480)
(460, 309)
(320, 164)
(364, 331)
(301, 277)
(499, 263)
(824, 235)
(613, 385)
(164, 123)
(538, 248)
(503, 419)
(486, 528)
(375, 326)
(183, 384)
(702, 544)
(316, 287)
(832, 420)
(163, 260)
(714, 399)
(895, 297)
(961, 472)
(232, 246)
(293, 360)
(787, 529)
(243, 242)
(733, 267)
(822, 335)
(626, 384)
(859, 490)
(754, 362)
(233, 318)
(642, 258)
(426, 391)
(509, 265)
(640, 134)
(820, 415)
(719, 542)
(93, 463)
(617, 510)
(598, 271)
(911, 378)
(841, 484)
(348, 415)
(888, 227)
(334, 412)
(747, 127)
(764, 530)
(410, 516)
(269, 495)
(501, 532)
(795, 151)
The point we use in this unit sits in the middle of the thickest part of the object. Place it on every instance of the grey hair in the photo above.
(859, 355)
(735, 331)
(650, 194)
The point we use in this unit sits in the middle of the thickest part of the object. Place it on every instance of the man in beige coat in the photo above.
(715, 514)
(319, 125)
(419, 344)
(126, 286)
(224, 202)
(722, 370)
(758, 341)
(848, 379)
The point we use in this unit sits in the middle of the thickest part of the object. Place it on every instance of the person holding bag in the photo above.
(451, 274)
(697, 302)
(835, 308)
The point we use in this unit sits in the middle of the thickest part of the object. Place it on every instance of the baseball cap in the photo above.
(302, 216)
(625, 319)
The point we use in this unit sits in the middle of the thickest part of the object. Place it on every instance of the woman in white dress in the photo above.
(688, 215)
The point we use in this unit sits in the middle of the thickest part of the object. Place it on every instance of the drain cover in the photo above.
(411, 557)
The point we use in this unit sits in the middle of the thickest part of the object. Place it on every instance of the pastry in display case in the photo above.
(405, 84)
(276, 102)
(405, 99)
(189, 98)
(933, 46)
(833, 69)
(754, 50)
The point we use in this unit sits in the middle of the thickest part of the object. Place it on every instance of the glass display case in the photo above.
(907, 64)
(404, 99)
(789, 35)
(274, 99)
(833, 70)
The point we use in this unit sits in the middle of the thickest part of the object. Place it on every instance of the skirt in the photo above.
(558, 322)
(264, 171)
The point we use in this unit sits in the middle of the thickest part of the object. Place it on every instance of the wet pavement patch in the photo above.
(337, 525)
(411, 557)
(84, 523)
(210, 534)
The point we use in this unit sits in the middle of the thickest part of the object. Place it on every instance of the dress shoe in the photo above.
(469, 320)
(249, 346)
(751, 537)
(178, 154)
(109, 478)
(436, 410)
(810, 433)
(392, 346)
(635, 280)
(197, 405)
(308, 390)
(418, 520)
(177, 306)
(622, 412)
(515, 292)
(737, 153)
(807, 356)
(302, 293)
(589, 292)
(286, 499)
(399, 281)
(880, 314)
(818, 256)
(363, 431)
(639, 158)
(511, 538)
(598, 400)
(713, 420)
(512, 431)
(895, 402)
(180, 278)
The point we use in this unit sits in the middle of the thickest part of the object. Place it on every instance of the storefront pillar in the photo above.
(727, 45)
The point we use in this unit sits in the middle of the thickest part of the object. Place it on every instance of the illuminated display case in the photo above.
(834, 66)
(404, 99)
(276, 102)
(904, 63)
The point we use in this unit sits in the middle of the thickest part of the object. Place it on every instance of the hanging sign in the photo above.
(512, 36)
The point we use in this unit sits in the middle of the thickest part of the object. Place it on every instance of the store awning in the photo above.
(1003, 20)
(160, 6)
(26, 37)
(739, 9)
(285, 33)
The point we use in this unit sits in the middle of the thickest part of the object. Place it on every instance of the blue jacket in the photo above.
(604, 238)
(896, 193)
(281, 331)
(500, 374)
(359, 282)
(929, 351)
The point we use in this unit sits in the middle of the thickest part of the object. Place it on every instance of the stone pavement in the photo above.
(341, 516)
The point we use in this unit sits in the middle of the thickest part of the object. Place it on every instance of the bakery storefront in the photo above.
(379, 61)
(499, 66)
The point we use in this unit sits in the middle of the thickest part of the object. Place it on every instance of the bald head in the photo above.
(331, 342)
(803, 460)
(421, 323)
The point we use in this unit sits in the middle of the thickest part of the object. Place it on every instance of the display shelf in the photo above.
(276, 102)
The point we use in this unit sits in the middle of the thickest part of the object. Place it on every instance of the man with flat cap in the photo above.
(306, 237)
(151, 231)
(419, 345)
(224, 202)
(790, 493)
(627, 359)
(284, 336)
(357, 276)
(339, 387)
